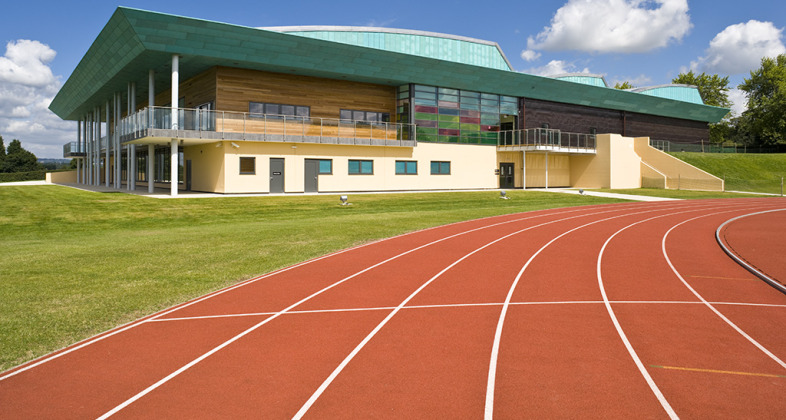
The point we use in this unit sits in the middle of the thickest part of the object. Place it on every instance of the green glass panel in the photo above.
(426, 130)
(448, 98)
(487, 102)
(508, 108)
(425, 95)
(366, 166)
(489, 96)
(427, 137)
(510, 99)
(469, 101)
(425, 116)
(470, 127)
(325, 166)
(490, 109)
(401, 167)
(448, 91)
(452, 125)
(449, 118)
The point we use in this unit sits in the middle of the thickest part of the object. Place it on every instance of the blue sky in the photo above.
(647, 42)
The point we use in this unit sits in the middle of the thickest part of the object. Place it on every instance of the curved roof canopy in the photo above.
(136, 41)
(583, 78)
(425, 44)
(684, 93)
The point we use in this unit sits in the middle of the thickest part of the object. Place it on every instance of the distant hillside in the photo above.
(741, 171)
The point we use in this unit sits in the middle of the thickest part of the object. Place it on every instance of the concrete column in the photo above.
(106, 151)
(132, 169)
(118, 152)
(173, 169)
(151, 158)
(89, 139)
(151, 93)
(175, 86)
(547, 169)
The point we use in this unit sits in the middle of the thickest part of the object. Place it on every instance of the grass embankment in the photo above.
(678, 194)
(741, 172)
(76, 263)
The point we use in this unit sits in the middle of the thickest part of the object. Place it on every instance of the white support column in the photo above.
(132, 169)
(151, 149)
(523, 170)
(79, 150)
(173, 169)
(547, 169)
(175, 87)
(151, 158)
(98, 143)
(89, 139)
(128, 147)
(106, 151)
(118, 152)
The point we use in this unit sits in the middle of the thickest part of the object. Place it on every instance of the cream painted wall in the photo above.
(207, 166)
(678, 173)
(67, 177)
(558, 169)
(625, 164)
(472, 166)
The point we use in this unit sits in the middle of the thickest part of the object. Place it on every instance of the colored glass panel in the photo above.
(448, 111)
(429, 109)
(425, 123)
(426, 116)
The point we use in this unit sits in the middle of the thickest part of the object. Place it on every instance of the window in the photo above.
(406, 167)
(325, 167)
(440, 168)
(366, 116)
(248, 165)
(279, 109)
(361, 167)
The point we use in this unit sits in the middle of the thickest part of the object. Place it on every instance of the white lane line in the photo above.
(321, 389)
(154, 317)
(710, 306)
(661, 398)
(277, 314)
(492, 376)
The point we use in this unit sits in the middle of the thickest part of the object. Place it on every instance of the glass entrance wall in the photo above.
(454, 115)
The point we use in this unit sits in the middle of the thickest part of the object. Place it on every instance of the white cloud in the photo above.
(530, 55)
(614, 26)
(555, 67)
(27, 87)
(739, 48)
(739, 101)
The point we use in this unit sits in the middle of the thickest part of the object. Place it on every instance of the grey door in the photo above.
(276, 175)
(311, 175)
(506, 178)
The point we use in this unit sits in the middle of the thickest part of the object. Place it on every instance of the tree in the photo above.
(2, 153)
(714, 91)
(18, 159)
(624, 85)
(766, 91)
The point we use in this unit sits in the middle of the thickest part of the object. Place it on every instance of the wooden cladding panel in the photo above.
(196, 91)
(326, 97)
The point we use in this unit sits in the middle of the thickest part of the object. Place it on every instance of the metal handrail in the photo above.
(266, 124)
(545, 137)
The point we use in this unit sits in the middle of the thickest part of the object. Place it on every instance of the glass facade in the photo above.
(453, 115)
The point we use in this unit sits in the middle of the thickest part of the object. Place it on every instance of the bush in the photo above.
(23, 176)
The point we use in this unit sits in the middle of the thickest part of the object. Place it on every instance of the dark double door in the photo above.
(506, 177)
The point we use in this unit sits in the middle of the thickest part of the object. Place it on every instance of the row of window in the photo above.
(358, 167)
(305, 111)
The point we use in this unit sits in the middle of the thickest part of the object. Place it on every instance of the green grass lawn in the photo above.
(76, 263)
(742, 172)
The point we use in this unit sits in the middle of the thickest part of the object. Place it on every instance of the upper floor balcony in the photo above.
(545, 139)
(202, 126)
(73, 149)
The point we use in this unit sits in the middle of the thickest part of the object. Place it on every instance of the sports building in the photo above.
(233, 109)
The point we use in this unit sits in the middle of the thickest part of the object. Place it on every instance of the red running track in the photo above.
(596, 312)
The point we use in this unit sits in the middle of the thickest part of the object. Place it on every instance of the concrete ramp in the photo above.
(661, 170)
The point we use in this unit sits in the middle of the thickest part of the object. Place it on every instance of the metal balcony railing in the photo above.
(73, 149)
(546, 139)
(227, 125)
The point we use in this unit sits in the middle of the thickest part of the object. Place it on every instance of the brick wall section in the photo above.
(580, 119)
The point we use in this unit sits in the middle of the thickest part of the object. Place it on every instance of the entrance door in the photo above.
(276, 175)
(188, 175)
(311, 175)
(506, 178)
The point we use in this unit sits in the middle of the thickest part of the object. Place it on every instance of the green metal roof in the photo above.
(135, 41)
(425, 44)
